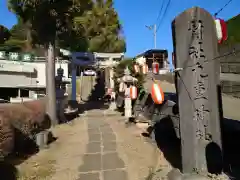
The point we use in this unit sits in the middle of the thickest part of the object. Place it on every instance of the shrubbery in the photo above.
(29, 118)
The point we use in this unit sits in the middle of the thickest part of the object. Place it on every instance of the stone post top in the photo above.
(127, 78)
(194, 12)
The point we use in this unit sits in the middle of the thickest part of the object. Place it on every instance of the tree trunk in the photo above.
(50, 85)
(28, 44)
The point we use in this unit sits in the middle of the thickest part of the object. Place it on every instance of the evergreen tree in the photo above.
(102, 28)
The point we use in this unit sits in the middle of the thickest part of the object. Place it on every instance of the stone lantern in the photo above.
(128, 80)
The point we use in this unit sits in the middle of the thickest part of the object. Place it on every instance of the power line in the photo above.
(167, 6)
(154, 26)
(220, 10)
(160, 11)
(216, 58)
(233, 52)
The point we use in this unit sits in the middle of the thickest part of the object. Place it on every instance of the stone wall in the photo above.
(231, 63)
(230, 67)
(231, 88)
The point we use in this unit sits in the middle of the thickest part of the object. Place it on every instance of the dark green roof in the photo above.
(233, 27)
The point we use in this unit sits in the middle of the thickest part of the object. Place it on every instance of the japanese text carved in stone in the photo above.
(200, 80)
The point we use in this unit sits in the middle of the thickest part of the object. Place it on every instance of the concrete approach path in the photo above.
(115, 151)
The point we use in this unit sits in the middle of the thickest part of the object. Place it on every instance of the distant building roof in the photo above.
(151, 51)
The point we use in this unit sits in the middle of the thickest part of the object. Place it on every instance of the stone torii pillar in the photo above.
(113, 105)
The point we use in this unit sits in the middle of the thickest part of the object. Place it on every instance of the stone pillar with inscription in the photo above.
(195, 47)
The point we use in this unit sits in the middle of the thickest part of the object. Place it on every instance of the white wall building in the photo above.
(29, 77)
(19, 78)
(41, 71)
(26, 74)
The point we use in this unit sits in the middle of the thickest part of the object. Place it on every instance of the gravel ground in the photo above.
(61, 160)
(68, 158)
(142, 158)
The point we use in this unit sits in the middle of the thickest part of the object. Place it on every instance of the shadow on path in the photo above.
(24, 148)
(170, 145)
(168, 142)
(95, 99)
(8, 171)
(98, 91)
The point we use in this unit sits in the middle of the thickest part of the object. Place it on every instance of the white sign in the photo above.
(2, 55)
(7, 67)
(13, 56)
(26, 57)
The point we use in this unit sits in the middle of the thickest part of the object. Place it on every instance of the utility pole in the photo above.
(155, 35)
(154, 28)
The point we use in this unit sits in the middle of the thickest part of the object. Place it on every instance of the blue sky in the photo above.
(135, 14)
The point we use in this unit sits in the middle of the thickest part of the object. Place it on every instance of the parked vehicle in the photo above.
(90, 72)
